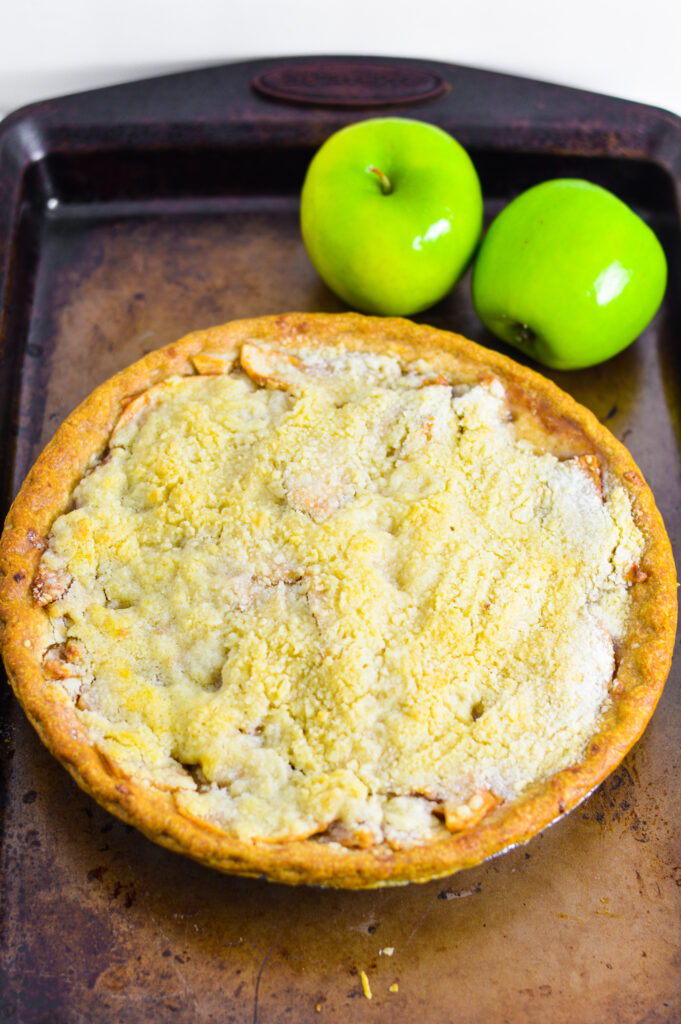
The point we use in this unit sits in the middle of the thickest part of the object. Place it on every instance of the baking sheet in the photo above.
(135, 214)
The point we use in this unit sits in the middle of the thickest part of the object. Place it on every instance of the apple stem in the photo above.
(383, 180)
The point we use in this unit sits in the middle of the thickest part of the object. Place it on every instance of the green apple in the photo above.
(569, 274)
(391, 212)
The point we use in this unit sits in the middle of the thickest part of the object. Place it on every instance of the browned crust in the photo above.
(543, 413)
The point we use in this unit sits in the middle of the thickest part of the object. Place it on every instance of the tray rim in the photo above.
(652, 136)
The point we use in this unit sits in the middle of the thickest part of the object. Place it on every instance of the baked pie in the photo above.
(336, 599)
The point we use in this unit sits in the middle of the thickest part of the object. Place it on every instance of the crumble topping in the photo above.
(326, 594)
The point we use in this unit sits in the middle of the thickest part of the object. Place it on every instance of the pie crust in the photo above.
(485, 822)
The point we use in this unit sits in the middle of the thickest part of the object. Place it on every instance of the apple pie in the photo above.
(336, 599)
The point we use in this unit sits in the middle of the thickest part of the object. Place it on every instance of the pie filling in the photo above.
(328, 594)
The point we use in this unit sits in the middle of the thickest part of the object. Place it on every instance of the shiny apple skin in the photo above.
(397, 253)
(569, 274)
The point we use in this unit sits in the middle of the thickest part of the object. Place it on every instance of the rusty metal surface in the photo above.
(99, 925)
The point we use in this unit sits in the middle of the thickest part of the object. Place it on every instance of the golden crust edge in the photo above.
(641, 673)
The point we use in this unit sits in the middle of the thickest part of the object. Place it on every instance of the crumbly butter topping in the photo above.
(335, 596)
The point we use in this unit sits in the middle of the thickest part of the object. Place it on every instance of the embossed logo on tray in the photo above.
(349, 83)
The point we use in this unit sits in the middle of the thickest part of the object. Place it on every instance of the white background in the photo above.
(628, 48)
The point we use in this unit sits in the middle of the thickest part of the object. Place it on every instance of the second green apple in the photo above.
(569, 274)
(391, 212)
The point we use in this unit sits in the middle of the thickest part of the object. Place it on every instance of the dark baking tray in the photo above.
(133, 214)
